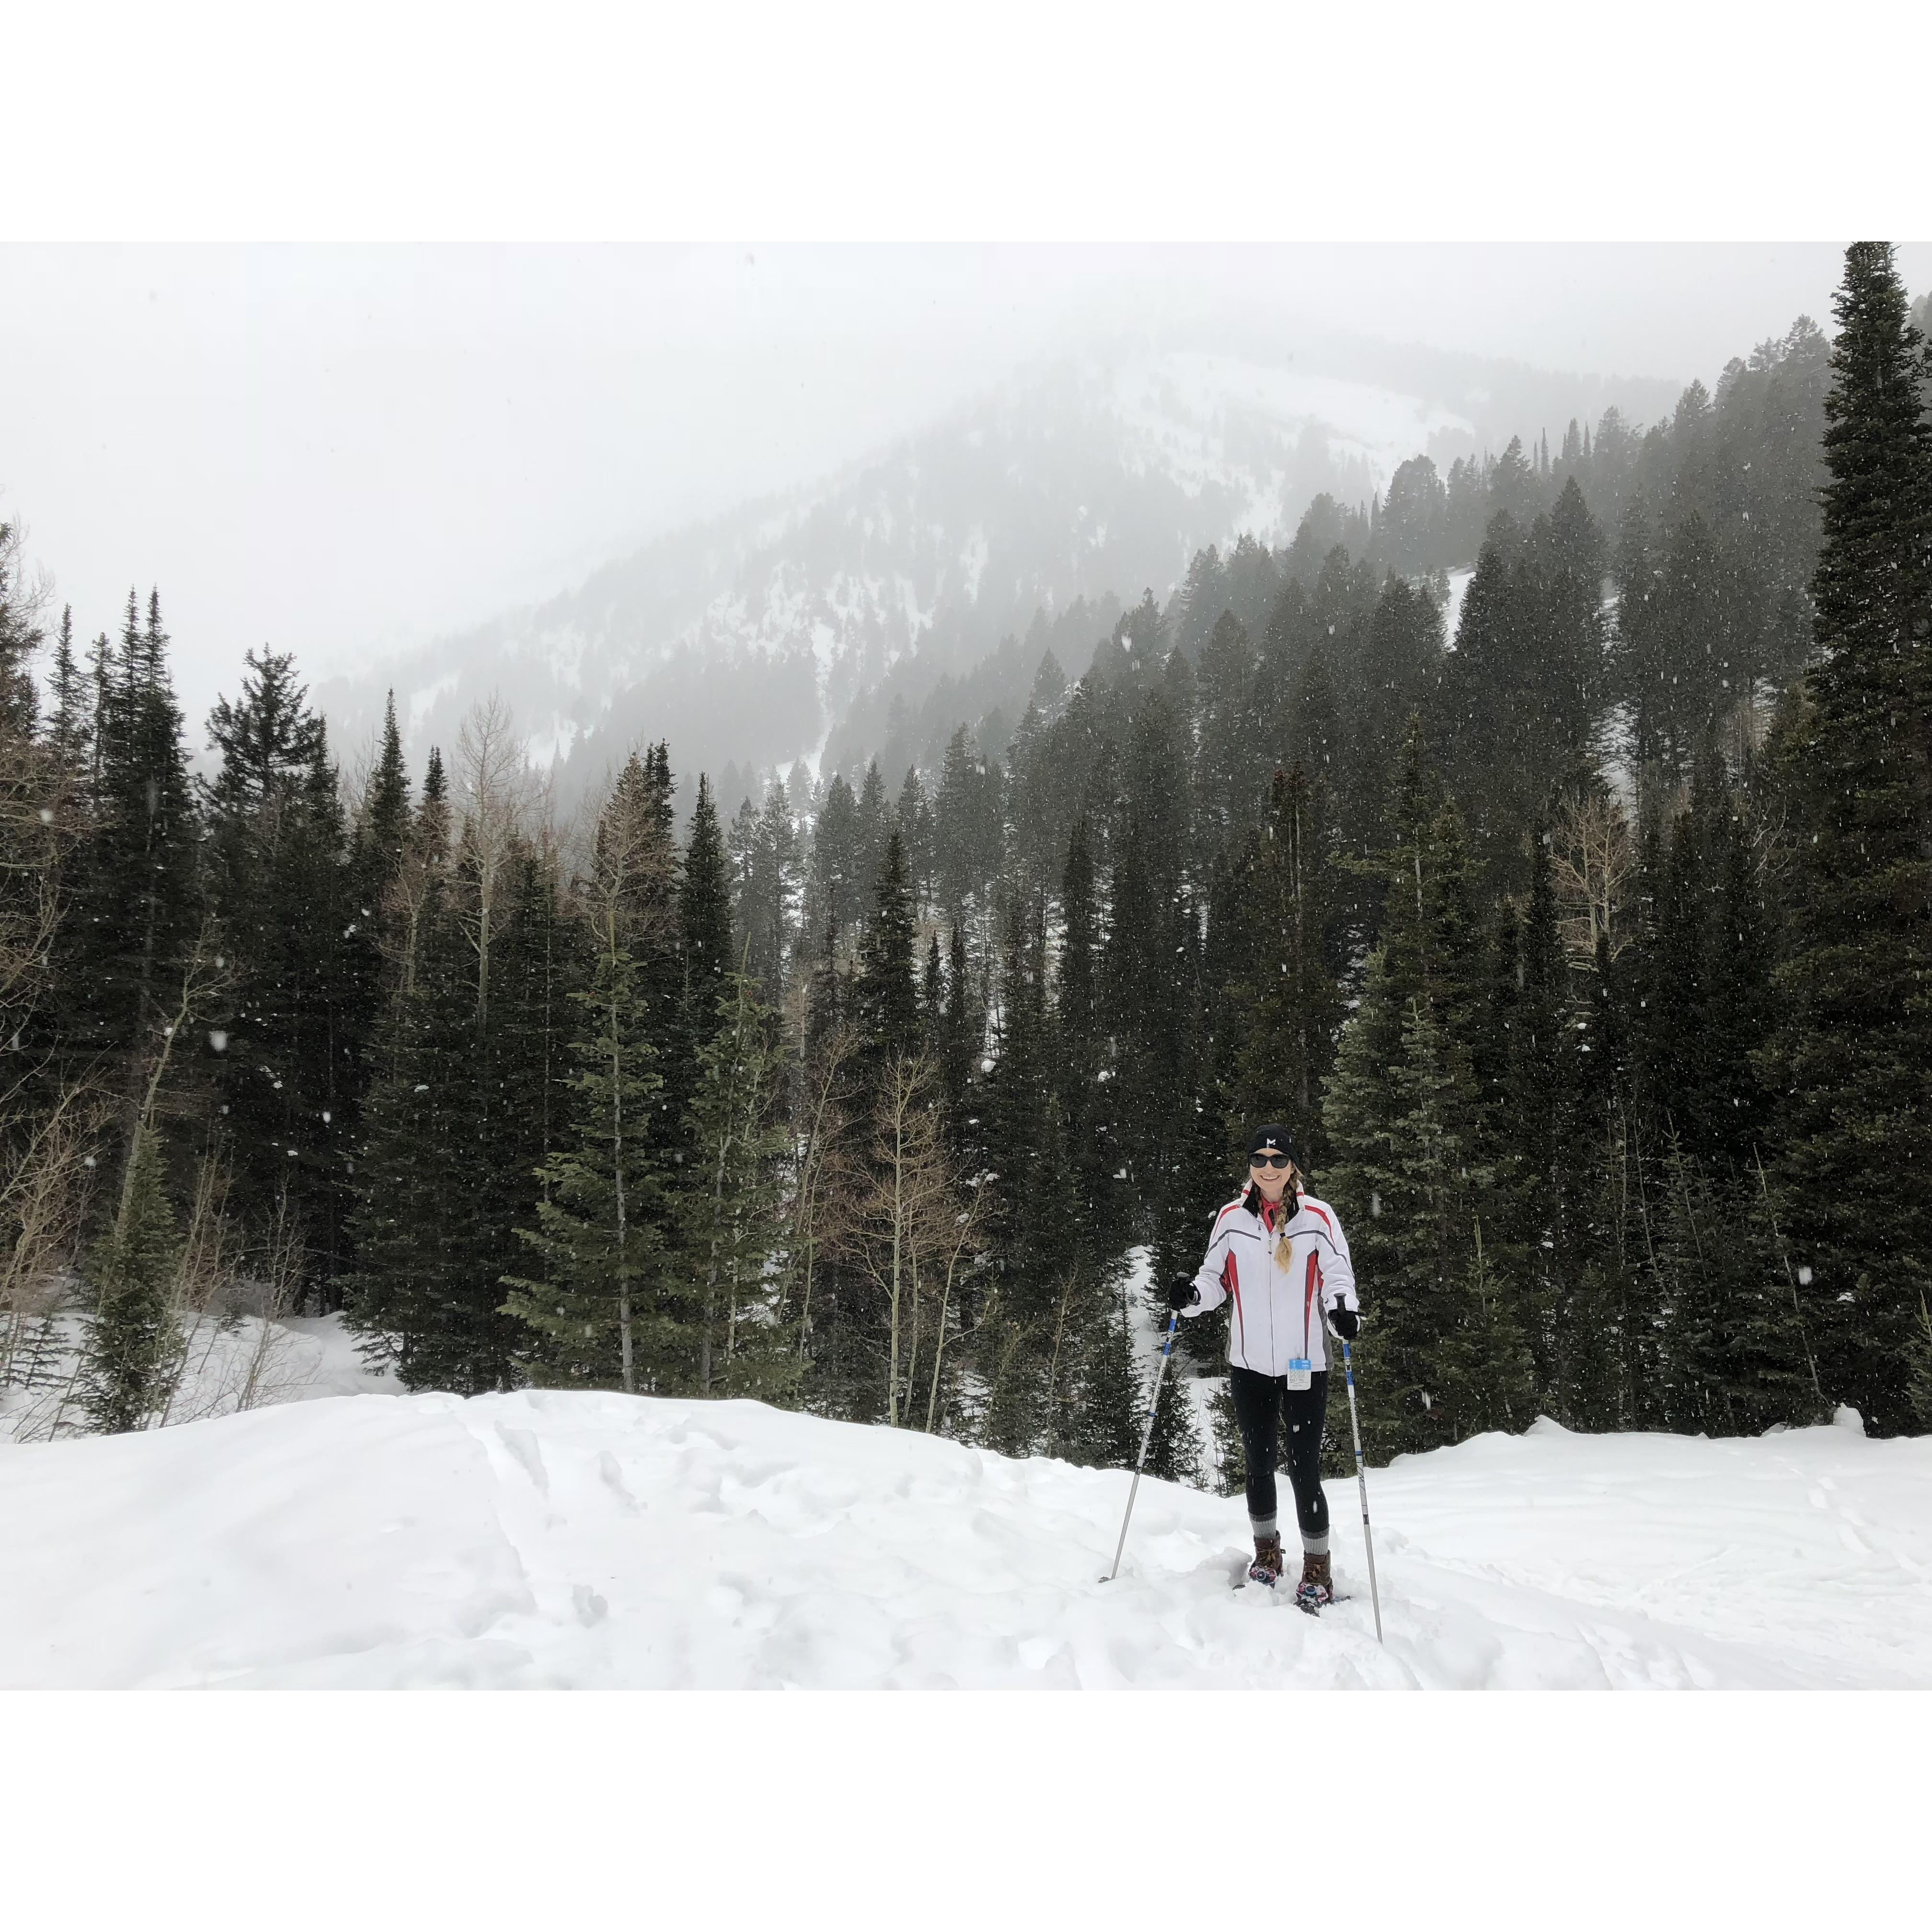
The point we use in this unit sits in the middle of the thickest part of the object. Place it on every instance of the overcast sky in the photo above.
(344, 450)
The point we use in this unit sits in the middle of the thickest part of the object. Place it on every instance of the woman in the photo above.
(1281, 1255)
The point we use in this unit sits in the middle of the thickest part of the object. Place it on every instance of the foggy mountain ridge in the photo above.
(750, 640)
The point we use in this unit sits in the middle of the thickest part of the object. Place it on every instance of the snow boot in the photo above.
(1266, 1568)
(1316, 1590)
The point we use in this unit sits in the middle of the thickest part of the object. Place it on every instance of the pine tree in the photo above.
(1023, 1132)
(1411, 1169)
(1144, 965)
(967, 825)
(135, 898)
(131, 1335)
(427, 1224)
(835, 895)
(1102, 1429)
(1857, 1141)
(304, 991)
(1539, 1139)
(959, 1035)
(71, 729)
(599, 1321)
(383, 830)
(1174, 1451)
(1291, 1012)
(1080, 1049)
(913, 814)
(875, 823)
(704, 919)
(766, 914)
(523, 1060)
(886, 997)
(606, 1311)
(732, 1231)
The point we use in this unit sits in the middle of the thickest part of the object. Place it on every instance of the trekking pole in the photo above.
(1362, 1477)
(1147, 1436)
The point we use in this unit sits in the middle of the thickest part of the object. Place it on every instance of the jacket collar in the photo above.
(1291, 1206)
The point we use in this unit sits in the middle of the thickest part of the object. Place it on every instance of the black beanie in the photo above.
(1272, 1138)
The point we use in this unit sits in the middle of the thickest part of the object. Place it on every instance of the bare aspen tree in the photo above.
(494, 789)
(42, 1199)
(1054, 1405)
(203, 1274)
(955, 1240)
(822, 1190)
(910, 1168)
(406, 900)
(1590, 860)
(262, 1376)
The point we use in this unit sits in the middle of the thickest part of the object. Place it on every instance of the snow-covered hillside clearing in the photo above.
(243, 1362)
(562, 1539)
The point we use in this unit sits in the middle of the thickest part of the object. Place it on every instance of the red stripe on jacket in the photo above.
(1230, 1280)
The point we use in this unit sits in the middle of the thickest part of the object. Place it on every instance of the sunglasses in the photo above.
(1269, 1160)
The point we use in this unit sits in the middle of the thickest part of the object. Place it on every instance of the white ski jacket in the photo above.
(1277, 1311)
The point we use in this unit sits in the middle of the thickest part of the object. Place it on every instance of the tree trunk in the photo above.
(898, 1222)
(629, 1369)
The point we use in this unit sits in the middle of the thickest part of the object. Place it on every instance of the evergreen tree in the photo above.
(886, 996)
(131, 1334)
(1540, 1137)
(303, 963)
(875, 822)
(71, 729)
(733, 1232)
(601, 1317)
(1851, 1058)
(383, 829)
(428, 1224)
(1292, 1008)
(968, 826)
(765, 914)
(610, 1308)
(136, 902)
(704, 918)
(1023, 1134)
(835, 892)
(959, 1035)
(1101, 1427)
(1147, 955)
(913, 816)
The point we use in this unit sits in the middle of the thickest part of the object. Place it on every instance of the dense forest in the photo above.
(1586, 951)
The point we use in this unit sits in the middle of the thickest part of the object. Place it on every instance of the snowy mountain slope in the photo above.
(569, 1539)
(748, 639)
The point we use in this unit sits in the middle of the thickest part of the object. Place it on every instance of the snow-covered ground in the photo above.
(226, 1367)
(574, 1539)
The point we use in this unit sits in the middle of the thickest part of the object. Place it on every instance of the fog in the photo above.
(345, 451)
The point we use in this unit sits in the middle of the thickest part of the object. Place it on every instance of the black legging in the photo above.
(1261, 1402)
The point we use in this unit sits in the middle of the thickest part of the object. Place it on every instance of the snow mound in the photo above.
(578, 1540)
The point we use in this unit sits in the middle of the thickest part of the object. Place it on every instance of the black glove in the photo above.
(1181, 1292)
(1346, 1322)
